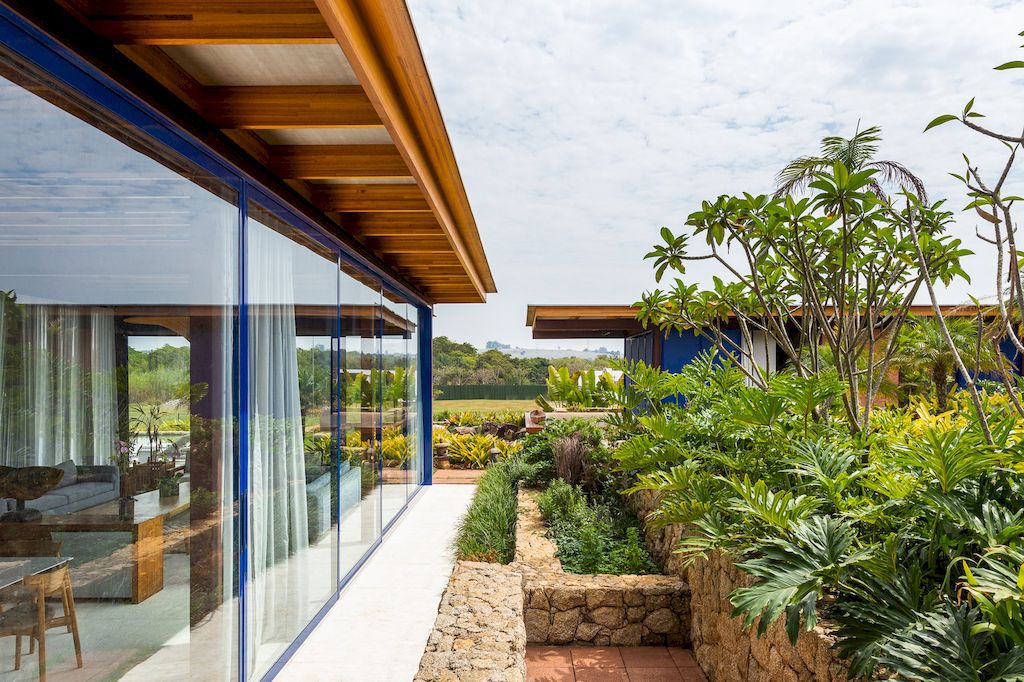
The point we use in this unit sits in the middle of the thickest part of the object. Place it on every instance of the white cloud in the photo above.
(582, 127)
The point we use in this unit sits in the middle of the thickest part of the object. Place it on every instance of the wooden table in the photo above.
(14, 569)
(142, 556)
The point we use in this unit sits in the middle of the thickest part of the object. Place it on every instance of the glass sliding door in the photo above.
(414, 404)
(292, 296)
(359, 396)
(395, 445)
(118, 361)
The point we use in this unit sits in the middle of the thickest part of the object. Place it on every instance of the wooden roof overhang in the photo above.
(620, 321)
(582, 321)
(327, 102)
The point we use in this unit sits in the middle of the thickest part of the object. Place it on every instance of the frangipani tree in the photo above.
(839, 268)
(995, 204)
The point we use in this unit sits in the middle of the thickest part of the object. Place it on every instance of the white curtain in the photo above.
(278, 526)
(61, 402)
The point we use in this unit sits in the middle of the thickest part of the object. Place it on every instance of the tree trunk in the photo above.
(940, 377)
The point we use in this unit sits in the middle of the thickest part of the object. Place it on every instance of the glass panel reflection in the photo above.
(292, 295)
(118, 320)
(396, 447)
(359, 402)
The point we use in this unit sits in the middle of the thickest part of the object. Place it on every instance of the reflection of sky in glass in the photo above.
(85, 219)
(314, 279)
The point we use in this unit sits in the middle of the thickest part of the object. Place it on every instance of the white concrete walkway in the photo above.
(379, 627)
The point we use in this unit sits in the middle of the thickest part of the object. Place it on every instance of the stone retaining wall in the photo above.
(479, 635)
(600, 610)
(725, 651)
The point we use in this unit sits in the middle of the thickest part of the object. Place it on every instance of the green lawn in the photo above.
(483, 405)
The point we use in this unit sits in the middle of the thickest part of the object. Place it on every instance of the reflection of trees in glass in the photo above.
(314, 366)
(158, 375)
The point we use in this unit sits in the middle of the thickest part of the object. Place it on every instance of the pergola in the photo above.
(328, 102)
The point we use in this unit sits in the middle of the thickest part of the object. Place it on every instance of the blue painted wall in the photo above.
(679, 349)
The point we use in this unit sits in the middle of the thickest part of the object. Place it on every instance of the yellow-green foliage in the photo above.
(394, 448)
(470, 451)
(354, 440)
(440, 435)
(473, 451)
(507, 448)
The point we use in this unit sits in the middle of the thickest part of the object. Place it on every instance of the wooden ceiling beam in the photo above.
(206, 22)
(409, 245)
(367, 198)
(289, 106)
(332, 161)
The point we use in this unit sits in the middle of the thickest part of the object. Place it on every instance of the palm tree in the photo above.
(924, 354)
(856, 153)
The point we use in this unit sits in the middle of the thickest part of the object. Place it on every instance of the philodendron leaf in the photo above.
(1010, 65)
(945, 118)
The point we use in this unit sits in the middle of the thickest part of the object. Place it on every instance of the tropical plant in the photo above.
(856, 153)
(319, 448)
(924, 353)
(838, 269)
(575, 390)
(910, 540)
(394, 447)
(470, 451)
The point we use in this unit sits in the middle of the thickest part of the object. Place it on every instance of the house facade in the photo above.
(673, 350)
(223, 227)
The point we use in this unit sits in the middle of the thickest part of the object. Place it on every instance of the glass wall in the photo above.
(118, 359)
(292, 296)
(359, 374)
(394, 437)
(143, 312)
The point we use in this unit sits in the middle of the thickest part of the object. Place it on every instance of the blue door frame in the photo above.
(48, 55)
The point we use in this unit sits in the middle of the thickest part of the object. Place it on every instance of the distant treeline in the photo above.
(461, 363)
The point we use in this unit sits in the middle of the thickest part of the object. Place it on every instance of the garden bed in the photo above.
(600, 610)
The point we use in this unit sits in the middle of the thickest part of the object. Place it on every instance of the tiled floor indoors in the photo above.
(611, 664)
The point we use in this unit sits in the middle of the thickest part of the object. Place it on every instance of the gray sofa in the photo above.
(90, 485)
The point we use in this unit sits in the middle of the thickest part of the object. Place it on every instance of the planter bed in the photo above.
(618, 610)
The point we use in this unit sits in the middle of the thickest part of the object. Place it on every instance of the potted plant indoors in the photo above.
(170, 485)
(123, 453)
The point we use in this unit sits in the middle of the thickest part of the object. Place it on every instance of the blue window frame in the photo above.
(19, 38)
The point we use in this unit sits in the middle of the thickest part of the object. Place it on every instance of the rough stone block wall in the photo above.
(600, 610)
(725, 651)
(479, 634)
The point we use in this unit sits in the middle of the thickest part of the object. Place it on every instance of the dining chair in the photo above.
(33, 617)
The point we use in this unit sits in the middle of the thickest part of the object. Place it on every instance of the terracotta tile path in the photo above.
(611, 664)
(458, 476)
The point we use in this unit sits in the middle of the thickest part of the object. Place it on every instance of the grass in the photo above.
(483, 405)
(488, 530)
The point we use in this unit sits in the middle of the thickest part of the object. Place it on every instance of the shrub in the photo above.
(569, 454)
(470, 451)
(487, 531)
(593, 538)
(884, 533)
(537, 447)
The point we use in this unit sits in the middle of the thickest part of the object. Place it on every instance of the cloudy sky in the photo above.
(583, 127)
